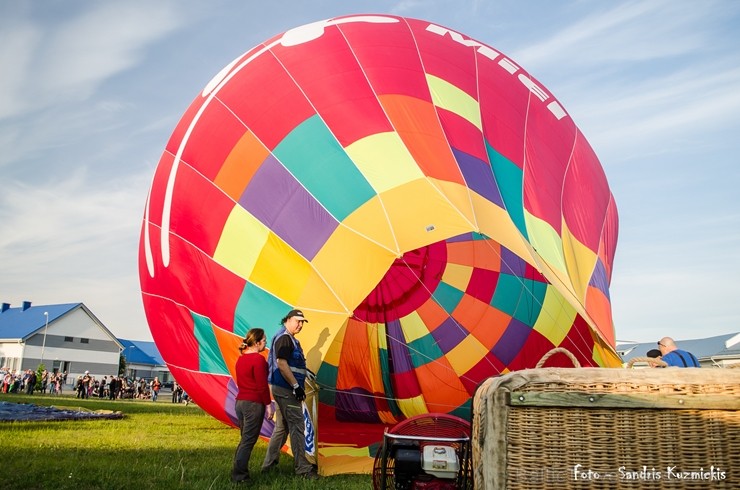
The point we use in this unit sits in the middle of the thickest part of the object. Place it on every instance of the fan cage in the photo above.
(422, 430)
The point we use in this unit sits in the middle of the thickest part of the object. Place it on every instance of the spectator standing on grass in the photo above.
(252, 400)
(156, 385)
(101, 388)
(287, 376)
(24, 380)
(176, 392)
(44, 381)
(30, 382)
(86, 384)
(112, 387)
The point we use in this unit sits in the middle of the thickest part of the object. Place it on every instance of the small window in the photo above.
(85, 341)
(68, 339)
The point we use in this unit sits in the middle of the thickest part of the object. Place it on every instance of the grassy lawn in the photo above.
(155, 446)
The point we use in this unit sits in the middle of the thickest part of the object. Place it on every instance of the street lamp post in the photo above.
(43, 344)
(128, 368)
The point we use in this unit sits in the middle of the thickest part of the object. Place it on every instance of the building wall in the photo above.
(11, 354)
(135, 370)
(76, 341)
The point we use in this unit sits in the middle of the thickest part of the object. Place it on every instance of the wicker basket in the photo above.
(596, 428)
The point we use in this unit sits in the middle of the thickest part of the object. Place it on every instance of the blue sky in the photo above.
(90, 92)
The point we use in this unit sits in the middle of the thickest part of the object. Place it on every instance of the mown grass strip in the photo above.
(154, 446)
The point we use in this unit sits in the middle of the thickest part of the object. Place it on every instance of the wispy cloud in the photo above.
(52, 229)
(635, 74)
(667, 106)
(69, 60)
(627, 32)
(72, 215)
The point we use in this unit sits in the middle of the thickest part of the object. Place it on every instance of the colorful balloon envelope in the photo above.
(429, 205)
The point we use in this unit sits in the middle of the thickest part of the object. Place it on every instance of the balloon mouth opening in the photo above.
(409, 282)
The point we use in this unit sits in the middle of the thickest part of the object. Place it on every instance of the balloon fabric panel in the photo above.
(180, 345)
(285, 206)
(241, 164)
(546, 160)
(209, 287)
(389, 58)
(450, 98)
(241, 242)
(503, 111)
(275, 105)
(258, 309)
(185, 219)
(416, 123)
(584, 212)
(333, 180)
(451, 62)
(210, 359)
(335, 85)
(384, 162)
(509, 178)
(185, 122)
(211, 140)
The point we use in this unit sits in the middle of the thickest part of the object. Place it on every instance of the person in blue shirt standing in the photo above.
(287, 377)
(673, 356)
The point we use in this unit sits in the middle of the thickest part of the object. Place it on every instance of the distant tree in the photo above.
(39, 373)
(121, 365)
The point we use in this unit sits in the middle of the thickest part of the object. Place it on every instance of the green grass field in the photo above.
(154, 446)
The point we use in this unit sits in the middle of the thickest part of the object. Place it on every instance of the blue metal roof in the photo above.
(141, 352)
(17, 323)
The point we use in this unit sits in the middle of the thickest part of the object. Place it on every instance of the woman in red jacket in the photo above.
(252, 401)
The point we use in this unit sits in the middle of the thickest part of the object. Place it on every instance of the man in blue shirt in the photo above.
(287, 377)
(673, 356)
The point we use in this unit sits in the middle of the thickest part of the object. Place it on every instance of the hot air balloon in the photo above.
(430, 206)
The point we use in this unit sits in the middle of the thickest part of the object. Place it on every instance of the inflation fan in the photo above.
(429, 451)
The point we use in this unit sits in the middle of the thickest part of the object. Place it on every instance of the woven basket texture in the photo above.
(668, 428)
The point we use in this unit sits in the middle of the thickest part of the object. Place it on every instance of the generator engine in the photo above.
(428, 467)
(425, 452)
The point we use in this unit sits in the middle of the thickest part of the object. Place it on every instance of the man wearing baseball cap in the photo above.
(287, 376)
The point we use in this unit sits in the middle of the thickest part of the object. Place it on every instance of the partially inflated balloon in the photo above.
(430, 206)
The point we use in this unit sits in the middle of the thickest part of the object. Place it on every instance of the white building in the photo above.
(65, 337)
(143, 360)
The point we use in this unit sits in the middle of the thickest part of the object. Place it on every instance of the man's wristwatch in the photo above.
(295, 385)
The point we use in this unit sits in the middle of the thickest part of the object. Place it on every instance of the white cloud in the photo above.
(627, 32)
(661, 108)
(73, 216)
(70, 59)
(18, 44)
(71, 241)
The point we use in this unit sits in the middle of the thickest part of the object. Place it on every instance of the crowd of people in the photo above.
(85, 386)
(27, 381)
(114, 387)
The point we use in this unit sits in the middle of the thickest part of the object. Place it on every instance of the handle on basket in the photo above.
(555, 350)
(653, 360)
